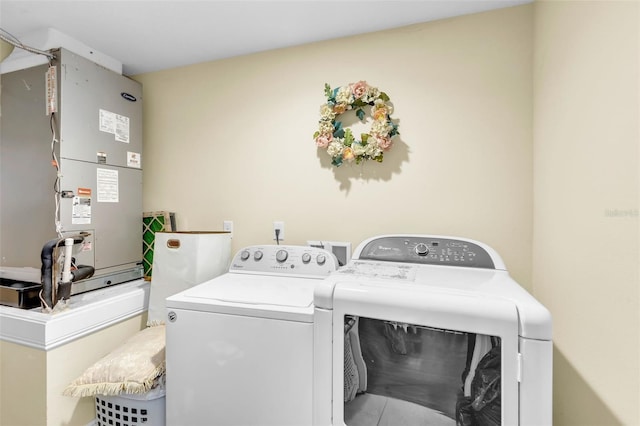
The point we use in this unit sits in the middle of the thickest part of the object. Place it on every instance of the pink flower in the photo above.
(384, 142)
(359, 89)
(324, 140)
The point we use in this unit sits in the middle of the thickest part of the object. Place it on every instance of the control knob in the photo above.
(422, 249)
(257, 255)
(306, 258)
(245, 254)
(321, 259)
(281, 255)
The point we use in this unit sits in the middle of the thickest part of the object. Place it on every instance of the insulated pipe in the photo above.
(46, 257)
(81, 272)
(46, 278)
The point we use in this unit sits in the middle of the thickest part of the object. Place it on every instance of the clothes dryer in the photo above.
(421, 329)
(240, 346)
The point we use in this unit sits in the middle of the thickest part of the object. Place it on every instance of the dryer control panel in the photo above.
(301, 261)
(429, 250)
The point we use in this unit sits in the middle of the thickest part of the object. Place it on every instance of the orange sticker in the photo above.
(84, 191)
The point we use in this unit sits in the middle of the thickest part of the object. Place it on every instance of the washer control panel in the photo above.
(428, 250)
(284, 260)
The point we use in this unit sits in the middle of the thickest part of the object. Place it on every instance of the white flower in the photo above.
(326, 127)
(344, 95)
(372, 149)
(326, 112)
(380, 128)
(335, 148)
(372, 94)
(358, 149)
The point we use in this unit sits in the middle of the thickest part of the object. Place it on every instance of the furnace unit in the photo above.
(70, 164)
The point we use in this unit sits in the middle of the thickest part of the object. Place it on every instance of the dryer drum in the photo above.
(421, 370)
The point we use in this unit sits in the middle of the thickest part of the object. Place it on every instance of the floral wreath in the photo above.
(339, 142)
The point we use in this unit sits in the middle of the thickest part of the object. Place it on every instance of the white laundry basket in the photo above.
(131, 410)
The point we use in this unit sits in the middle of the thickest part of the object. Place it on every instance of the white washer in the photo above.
(407, 331)
(240, 346)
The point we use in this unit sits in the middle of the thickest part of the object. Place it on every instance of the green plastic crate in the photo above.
(153, 222)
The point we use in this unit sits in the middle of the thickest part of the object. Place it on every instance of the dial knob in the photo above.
(422, 249)
(257, 255)
(321, 259)
(281, 255)
(244, 255)
(306, 258)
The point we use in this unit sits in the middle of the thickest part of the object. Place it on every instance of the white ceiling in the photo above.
(152, 35)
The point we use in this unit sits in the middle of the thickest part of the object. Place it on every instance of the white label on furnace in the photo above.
(107, 121)
(116, 124)
(81, 211)
(133, 159)
(107, 184)
(122, 128)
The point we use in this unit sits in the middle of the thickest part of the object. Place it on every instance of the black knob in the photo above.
(422, 249)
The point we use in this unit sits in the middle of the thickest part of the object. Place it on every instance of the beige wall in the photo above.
(232, 139)
(587, 193)
(32, 380)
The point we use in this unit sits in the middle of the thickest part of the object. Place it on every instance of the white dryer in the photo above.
(240, 346)
(421, 329)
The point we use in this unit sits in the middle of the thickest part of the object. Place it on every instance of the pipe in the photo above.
(49, 296)
(66, 270)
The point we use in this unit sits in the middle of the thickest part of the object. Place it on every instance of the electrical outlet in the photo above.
(227, 225)
(279, 225)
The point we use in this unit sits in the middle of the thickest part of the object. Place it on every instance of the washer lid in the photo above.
(256, 290)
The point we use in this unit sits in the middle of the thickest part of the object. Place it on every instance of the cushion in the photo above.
(131, 368)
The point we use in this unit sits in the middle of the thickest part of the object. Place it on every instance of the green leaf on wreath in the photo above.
(316, 134)
(336, 161)
(364, 137)
(383, 96)
(359, 103)
(327, 90)
(360, 114)
(348, 137)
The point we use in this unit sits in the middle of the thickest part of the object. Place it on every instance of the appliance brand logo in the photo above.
(128, 96)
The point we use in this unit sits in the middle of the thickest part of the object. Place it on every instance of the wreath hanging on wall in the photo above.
(340, 143)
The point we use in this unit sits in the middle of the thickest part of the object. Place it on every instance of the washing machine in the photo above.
(423, 329)
(240, 347)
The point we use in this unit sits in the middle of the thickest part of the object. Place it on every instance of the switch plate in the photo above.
(227, 225)
(278, 225)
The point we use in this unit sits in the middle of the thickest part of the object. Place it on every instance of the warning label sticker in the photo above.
(81, 210)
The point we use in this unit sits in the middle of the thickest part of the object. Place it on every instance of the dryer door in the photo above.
(404, 355)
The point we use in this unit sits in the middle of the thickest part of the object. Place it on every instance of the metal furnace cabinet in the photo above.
(95, 137)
